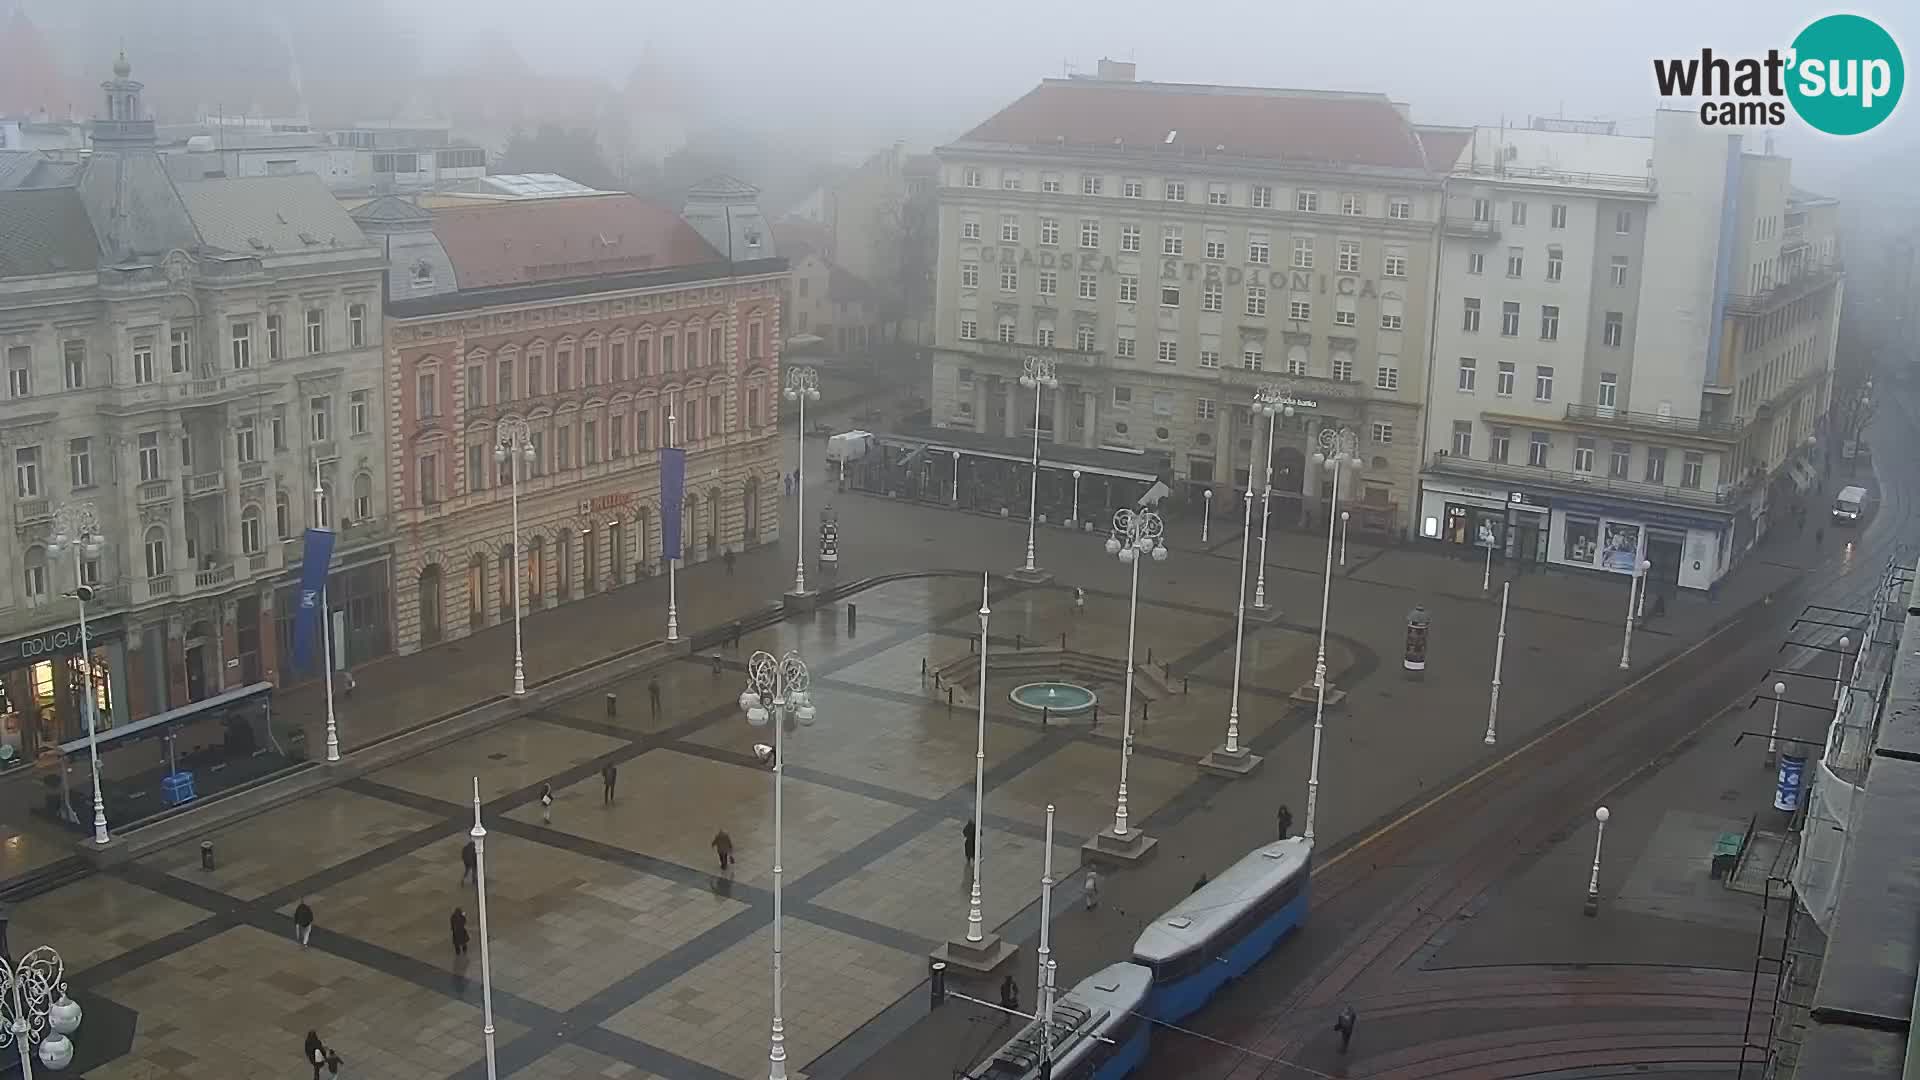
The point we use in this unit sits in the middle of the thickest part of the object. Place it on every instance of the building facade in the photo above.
(184, 362)
(1172, 248)
(612, 328)
(1632, 347)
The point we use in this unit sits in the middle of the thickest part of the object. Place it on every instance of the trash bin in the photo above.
(206, 855)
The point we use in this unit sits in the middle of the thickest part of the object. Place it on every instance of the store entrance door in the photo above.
(1664, 553)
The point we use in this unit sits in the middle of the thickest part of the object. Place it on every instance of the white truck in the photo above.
(848, 447)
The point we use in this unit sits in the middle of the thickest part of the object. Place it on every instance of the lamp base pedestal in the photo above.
(1265, 616)
(1031, 577)
(1108, 848)
(1231, 765)
(801, 601)
(1592, 907)
(983, 958)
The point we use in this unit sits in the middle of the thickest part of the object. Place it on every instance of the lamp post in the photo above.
(1633, 587)
(1499, 652)
(479, 835)
(1343, 537)
(975, 931)
(673, 557)
(1043, 978)
(1840, 669)
(75, 526)
(776, 691)
(1593, 882)
(1773, 729)
(1135, 533)
(1038, 376)
(1230, 758)
(956, 477)
(1339, 449)
(513, 445)
(1269, 401)
(35, 1008)
(1206, 515)
(321, 514)
(1486, 575)
(803, 385)
(1075, 523)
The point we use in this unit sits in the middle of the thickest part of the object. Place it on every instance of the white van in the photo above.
(1847, 505)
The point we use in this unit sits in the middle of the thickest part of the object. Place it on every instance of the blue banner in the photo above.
(673, 495)
(314, 563)
(1786, 792)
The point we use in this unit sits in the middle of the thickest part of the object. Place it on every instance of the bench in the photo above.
(1726, 852)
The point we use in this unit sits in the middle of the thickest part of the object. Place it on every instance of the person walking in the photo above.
(970, 840)
(458, 924)
(608, 777)
(653, 695)
(315, 1053)
(333, 1062)
(1009, 994)
(723, 847)
(546, 804)
(737, 628)
(1091, 890)
(1284, 819)
(302, 923)
(1344, 1024)
(469, 863)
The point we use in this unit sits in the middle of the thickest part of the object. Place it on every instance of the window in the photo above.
(1259, 248)
(1583, 455)
(80, 463)
(1260, 196)
(1129, 289)
(1176, 191)
(970, 177)
(1089, 287)
(1555, 263)
(1171, 242)
(1306, 202)
(1542, 383)
(1656, 472)
(156, 551)
(1382, 433)
(1217, 195)
(969, 330)
(969, 275)
(1170, 296)
(1129, 238)
(1390, 315)
(1503, 379)
(1623, 222)
(590, 358)
(1083, 338)
(73, 356)
(1463, 438)
(34, 574)
(149, 455)
(1009, 180)
(1006, 331)
(320, 418)
(1009, 279)
(1050, 183)
(1400, 209)
(251, 540)
(1353, 205)
(1162, 404)
(1123, 397)
(476, 385)
(246, 445)
(1622, 457)
(1133, 189)
(1169, 352)
(1297, 360)
(1557, 216)
(1049, 231)
(1609, 389)
(1394, 264)
(1342, 367)
(970, 229)
(316, 331)
(1123, 347)
(1483, 209)
(1498, 441)
(1515, 258)
(186, 452)
(1387, 375)
(590, 434)
(1091, 185)
(26, 472)
(1049, 283)
(1212, 296)
(19, 371)
(1204, 409)
(1299, 310)
(1470, 314)
(1693, 466)
(180, 349)
(1348, 257)
(1216, 250)
(1476, 262)
(143, 361)
(1519, 212)
(1538, 446)
(1613, 330)
(1210, 358)
(617, 356)
(1509, 319)
(1617, 271)
(1043, 337)
(1469, 374)
(426, 399)
(1303, 252)
(1009, 229)
(1256, 300)
(1549, 322)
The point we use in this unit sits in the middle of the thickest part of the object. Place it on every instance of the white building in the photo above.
(1632, 347)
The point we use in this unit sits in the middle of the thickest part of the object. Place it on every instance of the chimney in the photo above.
(1116, 70)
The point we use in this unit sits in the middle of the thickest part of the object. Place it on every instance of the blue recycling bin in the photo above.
(176, 788)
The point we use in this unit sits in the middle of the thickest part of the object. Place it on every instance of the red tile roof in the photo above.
(1299, 125)
(516, 243)
(1443, 146)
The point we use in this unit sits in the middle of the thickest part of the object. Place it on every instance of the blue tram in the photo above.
(1098, 1031)
(1224, 928)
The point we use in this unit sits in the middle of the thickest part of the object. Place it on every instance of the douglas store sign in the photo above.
(53, 643)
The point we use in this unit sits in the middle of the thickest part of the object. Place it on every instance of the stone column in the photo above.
(1011, 389)
(230, 502)
(1060, 415)
(1089, 435)
(980, 403)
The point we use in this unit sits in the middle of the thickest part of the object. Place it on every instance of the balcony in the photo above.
(251, 471)
(1016, 352)
(1468, 229)
(32, 511)
(1305, 390)
(1655, 422)
(154, 491)
(61, 611)
(324, 451)
(210, 483)
(1815, 277)
(1579, 482)
(216, 576)
(160, 585)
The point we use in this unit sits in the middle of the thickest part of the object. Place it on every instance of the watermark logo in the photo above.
(1842, 75)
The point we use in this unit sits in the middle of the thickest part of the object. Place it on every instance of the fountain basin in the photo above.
(1058, 698)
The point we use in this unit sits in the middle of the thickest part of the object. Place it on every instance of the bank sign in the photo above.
(1175, 270)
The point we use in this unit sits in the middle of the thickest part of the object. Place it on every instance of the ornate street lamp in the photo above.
(513, 446)
(1135, 533)
(802, 386)
(35, 1008)
(1339, 450)
(1272, 401)
(1037, 376)
(776, 691)
(76, 528)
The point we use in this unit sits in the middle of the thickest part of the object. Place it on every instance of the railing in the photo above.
(32, 511)
(1013, 350)
(206, 483)
(252, 470)
(1815, 276)
(1578, 481)
(207, 579)
(1613, 181)
(1469, 229)
(160, 585)
(154, 491)
(1640, 421)
(256, 563)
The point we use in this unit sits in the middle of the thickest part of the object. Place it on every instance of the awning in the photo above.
(153, 725)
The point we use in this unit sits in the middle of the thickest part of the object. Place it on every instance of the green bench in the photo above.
(1726, 852)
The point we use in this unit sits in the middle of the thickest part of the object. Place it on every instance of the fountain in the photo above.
(1057, 698)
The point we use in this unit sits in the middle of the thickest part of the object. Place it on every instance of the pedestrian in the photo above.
(348, 684)
(333, 1062)
(737, 630)
(546, 804)
(970, 839)
(469, 863)
(723, 846)
(1285, 820)
(653, 695)
(315, 1053)
(1091, 890)
(1079, 600)
(1198, 885)
(1009, 994)
(728, 558)
(1660, 604)
(1344, 1025)
(608, 777)
(717, 666)
(302, 923)
(1819, 538)
(458, 923)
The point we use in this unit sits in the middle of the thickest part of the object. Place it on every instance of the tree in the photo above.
(572, 152)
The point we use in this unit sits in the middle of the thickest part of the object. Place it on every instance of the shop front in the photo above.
(1685, 551)
(1513, 523)
(42, 686)
(359, 615)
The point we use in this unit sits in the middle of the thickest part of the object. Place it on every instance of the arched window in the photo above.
(507, 576)
(476, 591)
(430, 623)
(536, 571)
(282, 515)
(156, 548)
(616, 550)
(34, 575)
(362, 496)
(564, 565)
(251, 542)
(591, 584)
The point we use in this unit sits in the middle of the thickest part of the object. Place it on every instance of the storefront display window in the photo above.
(1622, 548)
(1583, 540)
